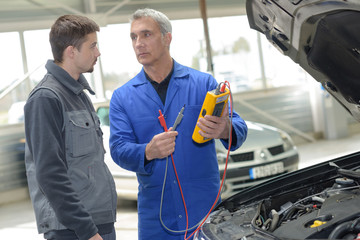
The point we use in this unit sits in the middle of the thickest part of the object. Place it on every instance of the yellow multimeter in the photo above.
(214, 104)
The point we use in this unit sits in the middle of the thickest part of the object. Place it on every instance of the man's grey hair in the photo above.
(162, 20)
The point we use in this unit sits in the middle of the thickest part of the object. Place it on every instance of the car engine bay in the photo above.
(326, 209)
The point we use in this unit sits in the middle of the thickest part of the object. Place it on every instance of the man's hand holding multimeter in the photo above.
(215, 127)
(213, 120)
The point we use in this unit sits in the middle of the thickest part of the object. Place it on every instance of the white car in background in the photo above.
(267, 152)
(125, 181)
(16, 112)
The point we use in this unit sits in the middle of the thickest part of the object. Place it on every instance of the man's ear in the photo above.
(69, 52)
(168, 38)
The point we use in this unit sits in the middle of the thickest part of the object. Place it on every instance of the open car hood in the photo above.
(322, 36)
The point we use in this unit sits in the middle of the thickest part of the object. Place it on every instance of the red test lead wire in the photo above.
(163, 124)
(226, 164)
(222, 90)
(162, 121)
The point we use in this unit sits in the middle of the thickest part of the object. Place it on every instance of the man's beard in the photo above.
(90, 70)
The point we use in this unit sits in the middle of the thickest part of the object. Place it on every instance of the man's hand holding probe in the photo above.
(161, 145)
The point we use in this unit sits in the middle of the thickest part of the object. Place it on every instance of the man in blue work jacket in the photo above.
(138, 142)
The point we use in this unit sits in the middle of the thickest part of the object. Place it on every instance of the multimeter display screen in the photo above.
(218, 109)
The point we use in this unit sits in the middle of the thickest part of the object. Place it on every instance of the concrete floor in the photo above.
(17, 219)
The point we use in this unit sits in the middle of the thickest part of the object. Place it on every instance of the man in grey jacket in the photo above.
(72, 190)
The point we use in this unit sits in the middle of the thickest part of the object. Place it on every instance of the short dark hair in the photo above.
(70, 30)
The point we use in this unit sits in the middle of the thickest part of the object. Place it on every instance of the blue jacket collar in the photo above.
(140, 81)
(179, 72)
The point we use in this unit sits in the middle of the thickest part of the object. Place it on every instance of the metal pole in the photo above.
(28, 85)
(262, 65)
(210, 67)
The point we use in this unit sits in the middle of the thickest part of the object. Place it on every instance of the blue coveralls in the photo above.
(134, 111)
